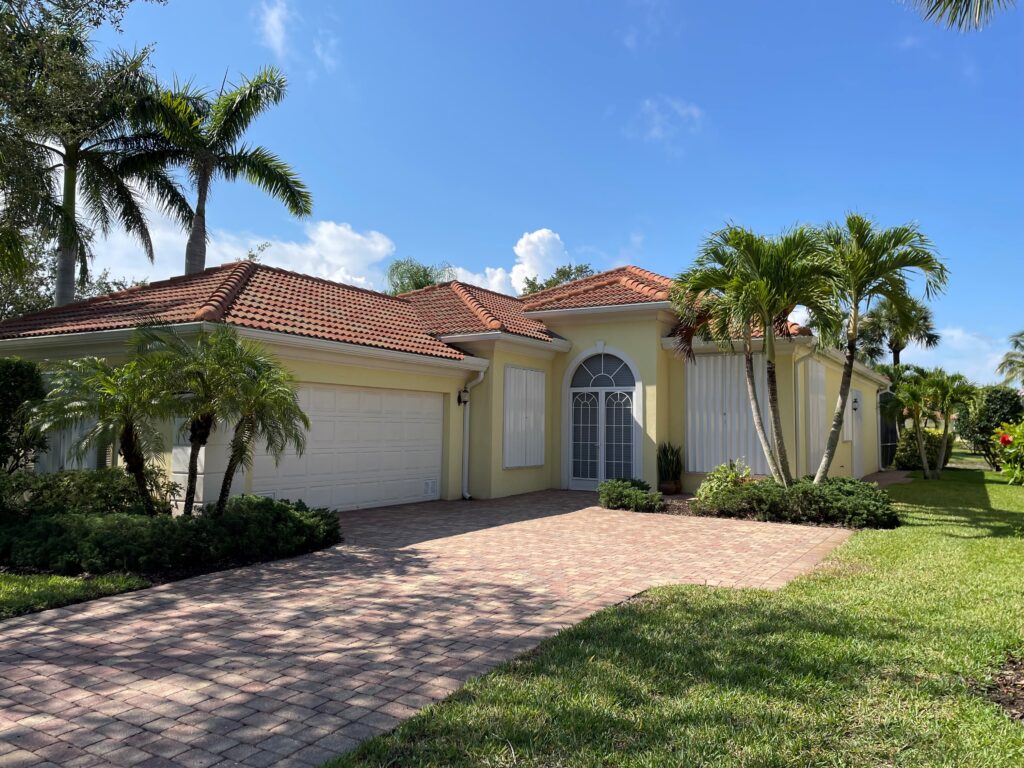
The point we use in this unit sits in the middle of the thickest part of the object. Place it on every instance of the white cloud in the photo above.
(909, 42)
(334, 250)
(537, 254)
(973, 354)
(273, 19)
(664, 119)
(325, 48)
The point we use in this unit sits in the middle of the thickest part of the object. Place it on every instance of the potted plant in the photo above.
(670, 468)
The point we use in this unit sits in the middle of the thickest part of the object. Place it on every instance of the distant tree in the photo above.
(964, 15)
(406, 275)
(21, 387)
(563, 274)
(889, 327)
(1012, 365)
(29, 289)
(993, 405)
(208, 134)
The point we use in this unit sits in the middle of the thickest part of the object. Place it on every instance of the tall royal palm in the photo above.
(870, 264)
(107, 156)
(964, 15)
(1011, 367)
(745, 285)
(209, 137)
(887, 327)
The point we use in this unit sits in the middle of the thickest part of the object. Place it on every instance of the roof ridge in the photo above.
(224, 294)
(609, 279)
(649, 275)
(476, 307)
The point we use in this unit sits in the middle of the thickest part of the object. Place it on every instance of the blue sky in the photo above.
(506, 138)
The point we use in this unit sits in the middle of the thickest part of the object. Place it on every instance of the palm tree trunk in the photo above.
(135, 463)
(773, 410)
(67, 251)
(919, 434)
(195, 249)
(837, 417)
(942, 448)
(755, 409)
(199, 435)
(896, 356)
(238, 441)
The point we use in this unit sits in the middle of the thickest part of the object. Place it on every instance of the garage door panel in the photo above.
(365, 448)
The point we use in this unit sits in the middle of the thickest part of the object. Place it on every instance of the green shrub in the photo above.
(837, 501)
(21, 385)
(1008, 443)
(994, 405)
(251, 529)
(634, 495)
(82, 491)
(721, 477)
(909, 457)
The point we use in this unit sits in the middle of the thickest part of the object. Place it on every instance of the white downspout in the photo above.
(464, 401)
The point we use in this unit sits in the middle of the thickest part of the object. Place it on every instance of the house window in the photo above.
(524, 417)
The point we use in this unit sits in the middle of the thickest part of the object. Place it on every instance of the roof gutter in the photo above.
(603, 309)
(554, 344)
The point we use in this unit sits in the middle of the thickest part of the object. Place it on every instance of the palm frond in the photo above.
(964, 15)
(232, 112)
(271, 174)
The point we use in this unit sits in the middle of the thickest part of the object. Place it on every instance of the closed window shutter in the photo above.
(524, 417)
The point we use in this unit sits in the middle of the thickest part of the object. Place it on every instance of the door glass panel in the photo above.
(585, 428)
(618, 435)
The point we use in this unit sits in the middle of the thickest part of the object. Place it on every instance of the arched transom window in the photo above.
(603, 371)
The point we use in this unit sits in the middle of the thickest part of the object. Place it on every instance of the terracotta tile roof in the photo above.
(248, 295)
(624, 285)
(456, 307)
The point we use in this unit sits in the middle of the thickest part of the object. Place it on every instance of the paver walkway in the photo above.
(293, 662)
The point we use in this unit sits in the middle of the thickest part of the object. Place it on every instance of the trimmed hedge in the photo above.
(634, 495)
(838, 501)
(251, 529)
(909, 457)
(84, 491)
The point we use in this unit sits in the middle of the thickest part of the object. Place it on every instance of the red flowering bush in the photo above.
(1009, 445)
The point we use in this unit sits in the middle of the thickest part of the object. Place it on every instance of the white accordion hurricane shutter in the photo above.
(365, 448)
(719, 423)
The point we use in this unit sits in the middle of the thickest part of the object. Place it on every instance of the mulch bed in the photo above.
(676, 505)
(1007, 690)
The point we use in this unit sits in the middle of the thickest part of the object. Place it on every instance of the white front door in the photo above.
(602, 429)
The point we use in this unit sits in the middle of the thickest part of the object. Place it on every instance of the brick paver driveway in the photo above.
(292, 662)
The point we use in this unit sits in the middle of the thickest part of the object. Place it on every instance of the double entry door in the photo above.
(602, 431)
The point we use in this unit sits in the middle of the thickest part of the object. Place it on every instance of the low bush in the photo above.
(994, 405)
(81, 491)
(909, 457)
(251, 529)
(634, 495)
(838, 501)
(723, 476)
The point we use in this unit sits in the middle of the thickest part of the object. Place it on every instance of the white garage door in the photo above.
(365, 448)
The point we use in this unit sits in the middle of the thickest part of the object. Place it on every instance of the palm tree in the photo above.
(914, 395)
(1012, 365)
(887, 327)
(104, 147)
(118, 405)
(965, 15)
(203, 374)
(744, 284)
(208, 136)
(870, 264)
(264, 399)
(949, 393)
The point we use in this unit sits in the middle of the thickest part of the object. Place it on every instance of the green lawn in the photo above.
(877, 659)
(28, 593)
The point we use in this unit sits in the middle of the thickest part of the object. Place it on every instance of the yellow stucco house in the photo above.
(455, 390)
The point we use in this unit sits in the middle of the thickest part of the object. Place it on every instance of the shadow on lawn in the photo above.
(960, 501)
